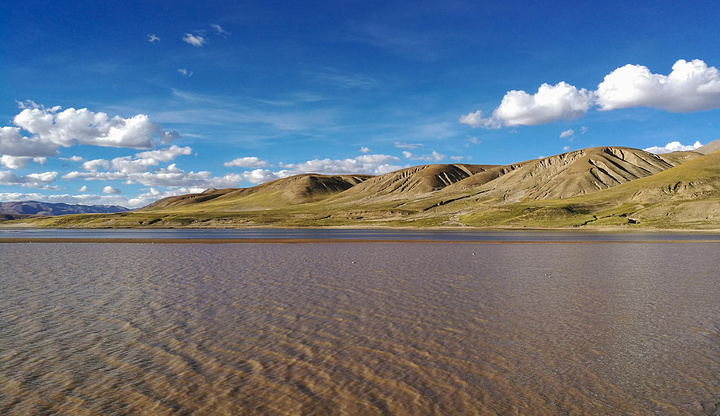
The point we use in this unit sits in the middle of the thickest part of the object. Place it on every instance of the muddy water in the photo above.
(360, 329)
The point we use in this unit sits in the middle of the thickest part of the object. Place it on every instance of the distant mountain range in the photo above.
(23, 209)
(588, 188)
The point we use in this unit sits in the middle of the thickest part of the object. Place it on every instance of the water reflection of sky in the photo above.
(360, 234)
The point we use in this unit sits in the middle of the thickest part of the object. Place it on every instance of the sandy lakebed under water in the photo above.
(380, 328)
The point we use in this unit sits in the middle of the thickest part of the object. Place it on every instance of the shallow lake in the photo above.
(606, 328)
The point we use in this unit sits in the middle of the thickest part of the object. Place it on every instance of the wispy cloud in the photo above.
(219, 30)
(185, 72)
(342, 79)
(411, 146)
(411, 44)
(153, 39)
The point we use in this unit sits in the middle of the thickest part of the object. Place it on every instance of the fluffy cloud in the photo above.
(551, 103)
(246, 162)
(51, 128)
(262, 175)
(567, 134)
(141, 162)
(109, 190)
(136, 169)
(165, 155)
(194, 40)
(84, 188)
(171, 176)
(433, 157)
(17, 162)
(69, 127)
(364, 149)
(12, 143)
(476, 119)
(95, 164)
(673, 147)
(691, 86)
(364, 164)
(369, 164)
(32, 180)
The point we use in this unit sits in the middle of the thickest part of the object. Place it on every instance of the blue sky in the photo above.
(128, 101)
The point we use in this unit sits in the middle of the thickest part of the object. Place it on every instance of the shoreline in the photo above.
(82, 240)
(590, 230)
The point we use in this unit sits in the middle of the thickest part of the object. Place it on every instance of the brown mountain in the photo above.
(569, 174)
(410, 183)
(299, 189)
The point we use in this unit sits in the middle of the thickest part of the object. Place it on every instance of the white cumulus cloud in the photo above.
(50, 128)
(691, 86)
(18, 162)
(261, 175)
(194, 40)
(32, 180)
(674, 146)
(567, 133)
(246, 162)
(476, 119)
(109, 190)
(551, 103)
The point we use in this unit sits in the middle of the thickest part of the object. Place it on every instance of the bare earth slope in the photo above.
(410, 183)
(711, 147)
(575, 173)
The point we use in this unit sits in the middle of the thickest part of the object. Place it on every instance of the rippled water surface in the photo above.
(360, 329)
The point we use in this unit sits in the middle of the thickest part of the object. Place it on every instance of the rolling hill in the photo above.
(293, 190)
(591, 188)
